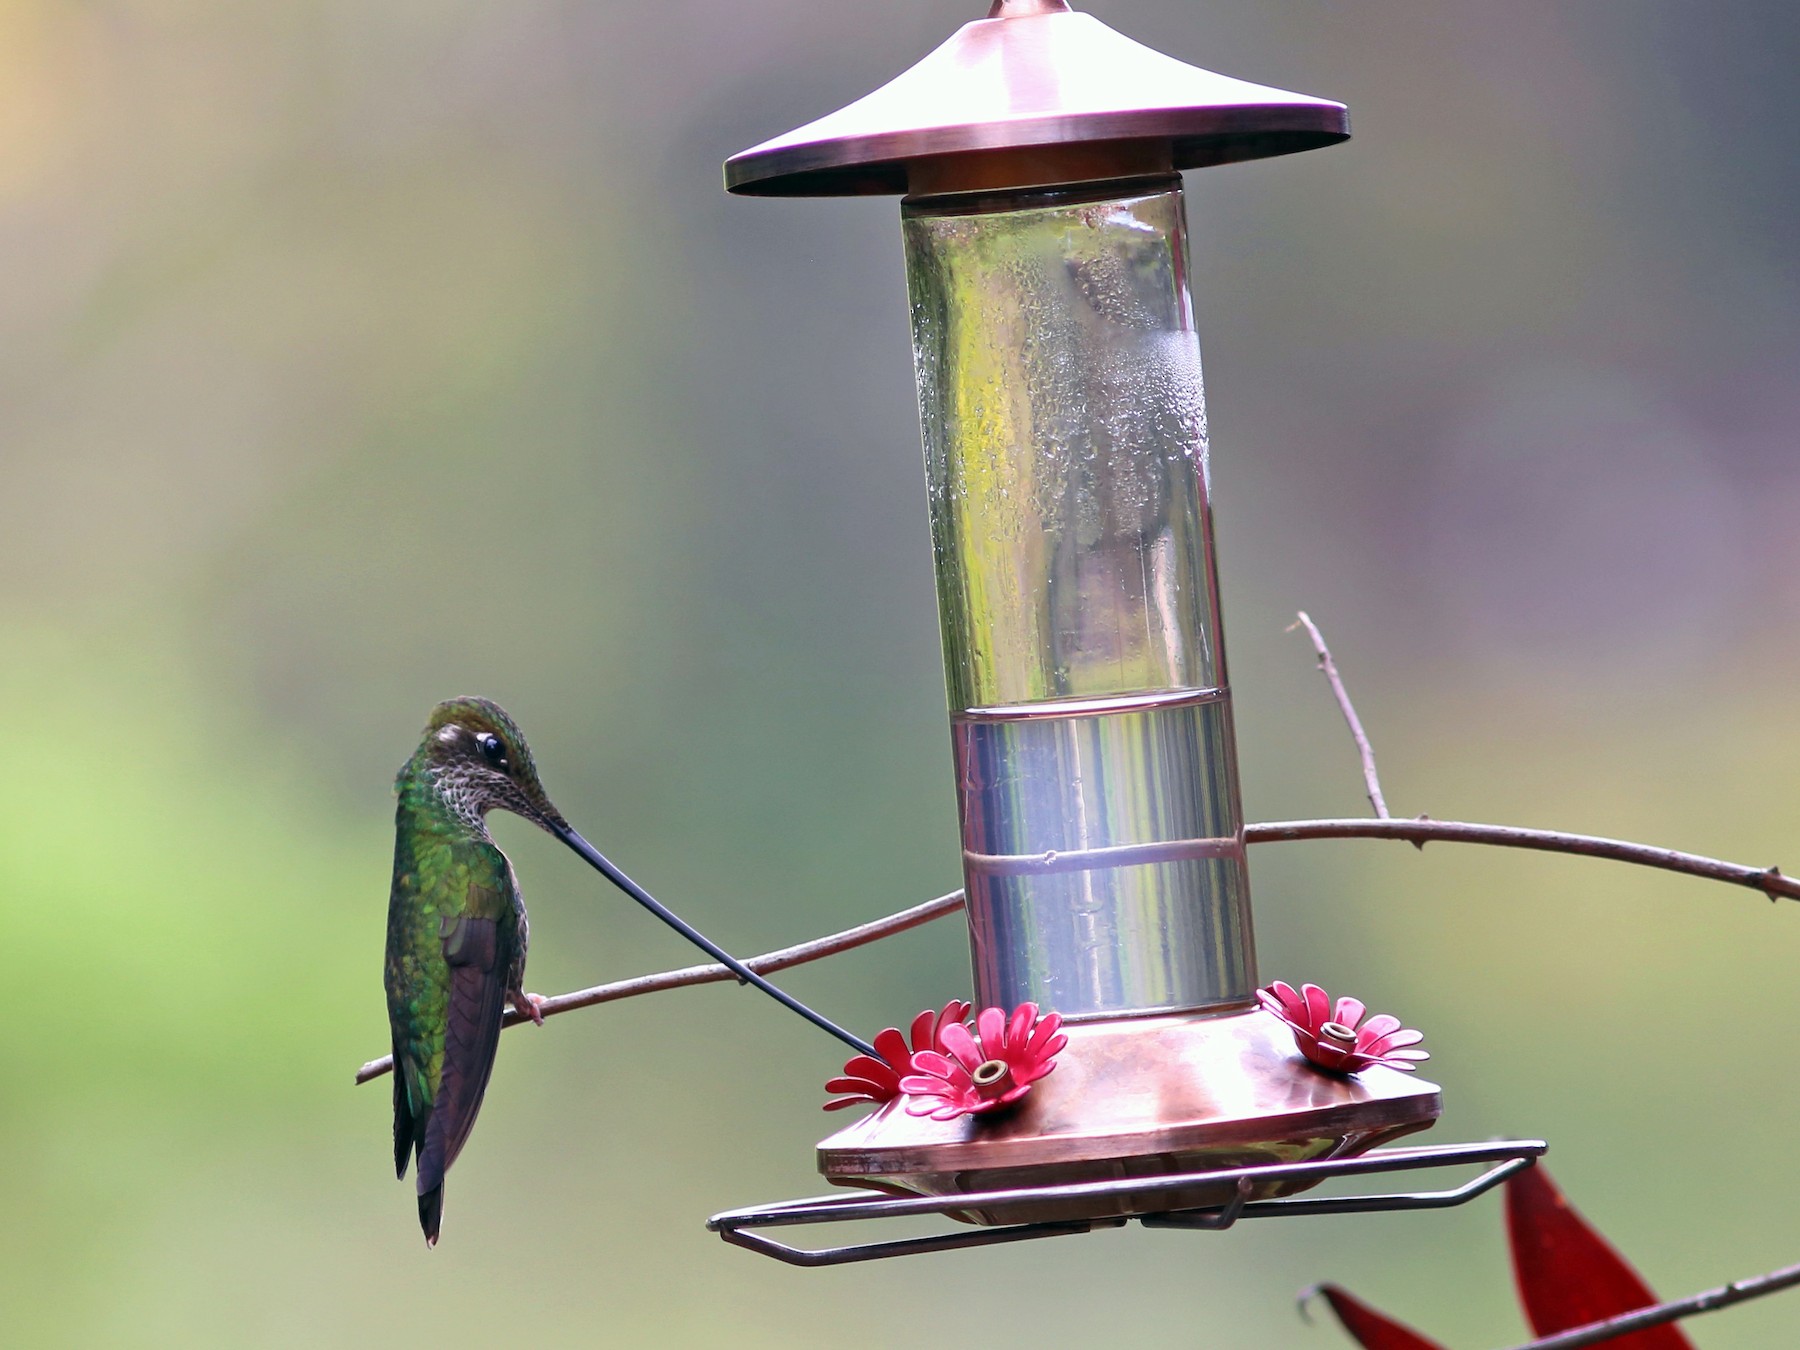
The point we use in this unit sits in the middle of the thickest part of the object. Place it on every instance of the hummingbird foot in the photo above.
(528, 1005)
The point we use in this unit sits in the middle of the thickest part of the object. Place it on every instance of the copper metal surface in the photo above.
(1034, 94)
(1140, 1097)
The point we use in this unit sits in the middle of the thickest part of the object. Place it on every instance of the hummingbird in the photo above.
(456, 932)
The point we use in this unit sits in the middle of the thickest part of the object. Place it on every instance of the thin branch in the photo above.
(1371, 779)
(1768, 880)
(766, 964)
(1738, 1291)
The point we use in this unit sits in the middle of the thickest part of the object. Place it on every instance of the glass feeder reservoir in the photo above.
(1064, 424)
(1065, 442)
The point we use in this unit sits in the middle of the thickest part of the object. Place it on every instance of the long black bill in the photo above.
(601, 863)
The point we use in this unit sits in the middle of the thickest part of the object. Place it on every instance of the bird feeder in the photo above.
(1038, 154)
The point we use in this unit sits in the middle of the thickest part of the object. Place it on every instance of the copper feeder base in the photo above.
(1139, 1097)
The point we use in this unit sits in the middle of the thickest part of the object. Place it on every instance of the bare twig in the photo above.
(766, 964)
(1738, 1291)
(1768, 880)
(1371, 779)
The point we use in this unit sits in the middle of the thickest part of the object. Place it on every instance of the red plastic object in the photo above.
(973, 1074)
(1372, 1330)
(1330, 1038)
(1568, 1275)
(878, 1080)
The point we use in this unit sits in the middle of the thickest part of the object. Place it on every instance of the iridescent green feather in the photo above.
(443, 871)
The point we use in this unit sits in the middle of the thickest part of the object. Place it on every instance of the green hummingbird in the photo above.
(456, 931)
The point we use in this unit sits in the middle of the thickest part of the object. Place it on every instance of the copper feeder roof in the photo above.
(1055, 96)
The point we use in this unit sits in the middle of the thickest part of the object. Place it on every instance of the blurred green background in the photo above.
(353, 356)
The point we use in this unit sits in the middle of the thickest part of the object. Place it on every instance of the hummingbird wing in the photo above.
(478, 949)
(452, 935)
(473, 947)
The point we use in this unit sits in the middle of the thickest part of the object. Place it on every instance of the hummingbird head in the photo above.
(479, 761)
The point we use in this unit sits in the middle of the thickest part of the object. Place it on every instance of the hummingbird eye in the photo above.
(491, 749)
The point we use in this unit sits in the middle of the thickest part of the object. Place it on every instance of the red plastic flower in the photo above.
(1329, 1036)
(878, 1080)
(976, 1073)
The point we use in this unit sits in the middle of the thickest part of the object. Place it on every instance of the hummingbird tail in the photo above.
(405, 1130)
(431, 1213)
